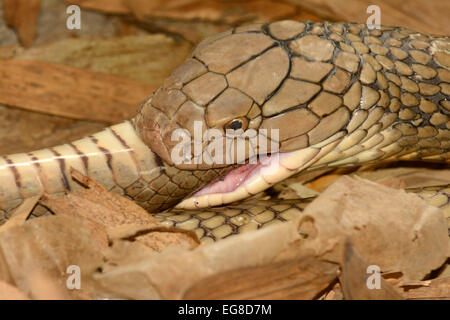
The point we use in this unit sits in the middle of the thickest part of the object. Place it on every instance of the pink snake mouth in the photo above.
(250, 179)
(239, 176)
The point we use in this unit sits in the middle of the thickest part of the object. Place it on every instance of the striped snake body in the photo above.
(339, 94)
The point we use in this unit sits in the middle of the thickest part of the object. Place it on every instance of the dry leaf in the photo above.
(281, 270)
(41, 250)
(390, 228)
(112, 217)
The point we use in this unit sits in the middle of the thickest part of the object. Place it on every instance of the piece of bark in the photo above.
(390, 228)
(69, 92)
(22, 16)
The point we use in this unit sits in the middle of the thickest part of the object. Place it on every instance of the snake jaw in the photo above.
(248, 180)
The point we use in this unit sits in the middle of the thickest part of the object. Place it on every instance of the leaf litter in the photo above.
(124, 252)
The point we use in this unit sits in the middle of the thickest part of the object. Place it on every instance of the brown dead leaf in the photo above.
(22, 15)
(49, 88)
(282, 270)
(390, 228)
(112, 217)
(41, 250)
(385, 231)
(354, 279)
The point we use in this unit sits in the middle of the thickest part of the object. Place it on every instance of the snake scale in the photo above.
(339, 94)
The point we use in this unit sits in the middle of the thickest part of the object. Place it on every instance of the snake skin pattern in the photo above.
(387, 91)
(115, 157)
(365, 95)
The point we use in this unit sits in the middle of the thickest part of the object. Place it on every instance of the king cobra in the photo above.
(339, 94)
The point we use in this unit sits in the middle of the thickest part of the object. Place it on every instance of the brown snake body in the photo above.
(339, 94)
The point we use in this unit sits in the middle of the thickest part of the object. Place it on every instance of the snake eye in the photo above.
(237, 124)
